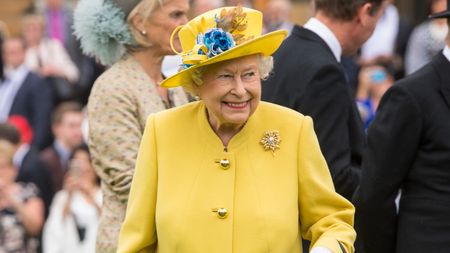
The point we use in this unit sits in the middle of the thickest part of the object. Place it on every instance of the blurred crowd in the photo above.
(50, 198)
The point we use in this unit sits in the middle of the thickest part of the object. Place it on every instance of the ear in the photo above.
(364, 13)
(138, 22)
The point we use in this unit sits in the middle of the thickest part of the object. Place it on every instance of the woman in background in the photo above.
(132, 35)
(21, 210)
(74, 214)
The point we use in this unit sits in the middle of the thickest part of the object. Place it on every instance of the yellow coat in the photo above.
(271, 200)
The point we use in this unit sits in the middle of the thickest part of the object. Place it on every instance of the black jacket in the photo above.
(308, 78)
(34, 101)
(409, 150)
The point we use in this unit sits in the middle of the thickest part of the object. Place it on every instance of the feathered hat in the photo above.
(101, 27)
(219, 35)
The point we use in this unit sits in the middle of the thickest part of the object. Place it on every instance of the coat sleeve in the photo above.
(326, 100)
(41, 105)
(138, 232)
(393, 140)
(114, 135)
(326, 218)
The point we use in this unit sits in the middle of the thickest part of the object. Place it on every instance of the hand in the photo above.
(8, 195)
(51, 71)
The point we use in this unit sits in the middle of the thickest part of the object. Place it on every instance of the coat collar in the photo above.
(442, 66)
(310, 35)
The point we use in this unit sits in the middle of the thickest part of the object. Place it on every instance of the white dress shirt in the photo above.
(9, 88)
(326, 34)
(447, 52)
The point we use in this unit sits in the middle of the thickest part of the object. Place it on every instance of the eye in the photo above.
(177, 14)
(225, 76)
(250, 75)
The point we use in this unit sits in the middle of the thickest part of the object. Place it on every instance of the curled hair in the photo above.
(345, 10)
(265, 66)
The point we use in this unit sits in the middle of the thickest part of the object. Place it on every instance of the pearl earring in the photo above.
(143, 33)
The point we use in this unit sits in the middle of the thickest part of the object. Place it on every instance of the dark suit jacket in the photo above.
(33, 170)
(34, 101)
(409, 149)
(54, 164)
(308, 78)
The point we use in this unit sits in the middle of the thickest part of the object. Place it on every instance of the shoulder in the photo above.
(276, 116)
(424, 80)
(180, 114)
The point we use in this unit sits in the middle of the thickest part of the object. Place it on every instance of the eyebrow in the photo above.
(247, 68)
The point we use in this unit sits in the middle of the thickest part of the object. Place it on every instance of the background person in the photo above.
(21, 210)
(66, 127)
(427, 39)
(74, 215)
(24, 93)
(408, 147)
(129, 91)
(309, 78)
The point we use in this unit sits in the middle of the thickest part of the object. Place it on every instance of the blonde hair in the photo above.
(7, 151)
(145, 9)
(265, 66)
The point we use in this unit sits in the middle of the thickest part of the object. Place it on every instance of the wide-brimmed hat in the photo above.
(442, 14)
(219, 35)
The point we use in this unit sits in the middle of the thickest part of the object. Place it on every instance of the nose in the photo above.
(239, 87)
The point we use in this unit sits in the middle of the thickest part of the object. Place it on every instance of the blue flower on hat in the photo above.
(217, 41)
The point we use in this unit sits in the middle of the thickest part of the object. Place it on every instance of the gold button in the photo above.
(224, 163)
(222, 213)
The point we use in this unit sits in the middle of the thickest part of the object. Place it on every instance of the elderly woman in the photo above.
(134, 35)
(230, 173)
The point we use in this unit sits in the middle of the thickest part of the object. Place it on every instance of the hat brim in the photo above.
(266, 44)
(444, 14)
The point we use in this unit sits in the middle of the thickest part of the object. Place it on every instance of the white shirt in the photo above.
(9, 88)
(447, 52)
(326, 34)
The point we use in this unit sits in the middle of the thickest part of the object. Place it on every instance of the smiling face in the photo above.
(231, 91)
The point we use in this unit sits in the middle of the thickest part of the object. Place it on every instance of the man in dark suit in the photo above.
(409, 150)
(309, 78)
(25, 93)
(66, 127)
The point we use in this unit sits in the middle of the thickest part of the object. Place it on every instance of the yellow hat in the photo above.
(219, 35)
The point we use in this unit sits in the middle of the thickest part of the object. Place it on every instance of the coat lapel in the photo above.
(442, 66)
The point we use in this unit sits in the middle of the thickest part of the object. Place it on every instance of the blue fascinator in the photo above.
(101, 27)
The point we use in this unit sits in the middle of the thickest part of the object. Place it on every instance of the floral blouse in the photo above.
(13, 237)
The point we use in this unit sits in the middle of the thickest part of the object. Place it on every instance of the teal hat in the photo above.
(101, 27)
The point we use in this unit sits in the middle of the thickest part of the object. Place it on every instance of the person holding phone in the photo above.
(74, 215)
(374, 81)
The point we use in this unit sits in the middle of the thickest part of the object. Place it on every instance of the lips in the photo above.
(237, 105)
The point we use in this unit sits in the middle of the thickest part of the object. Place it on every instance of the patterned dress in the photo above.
(13, 236)
(120, 102)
